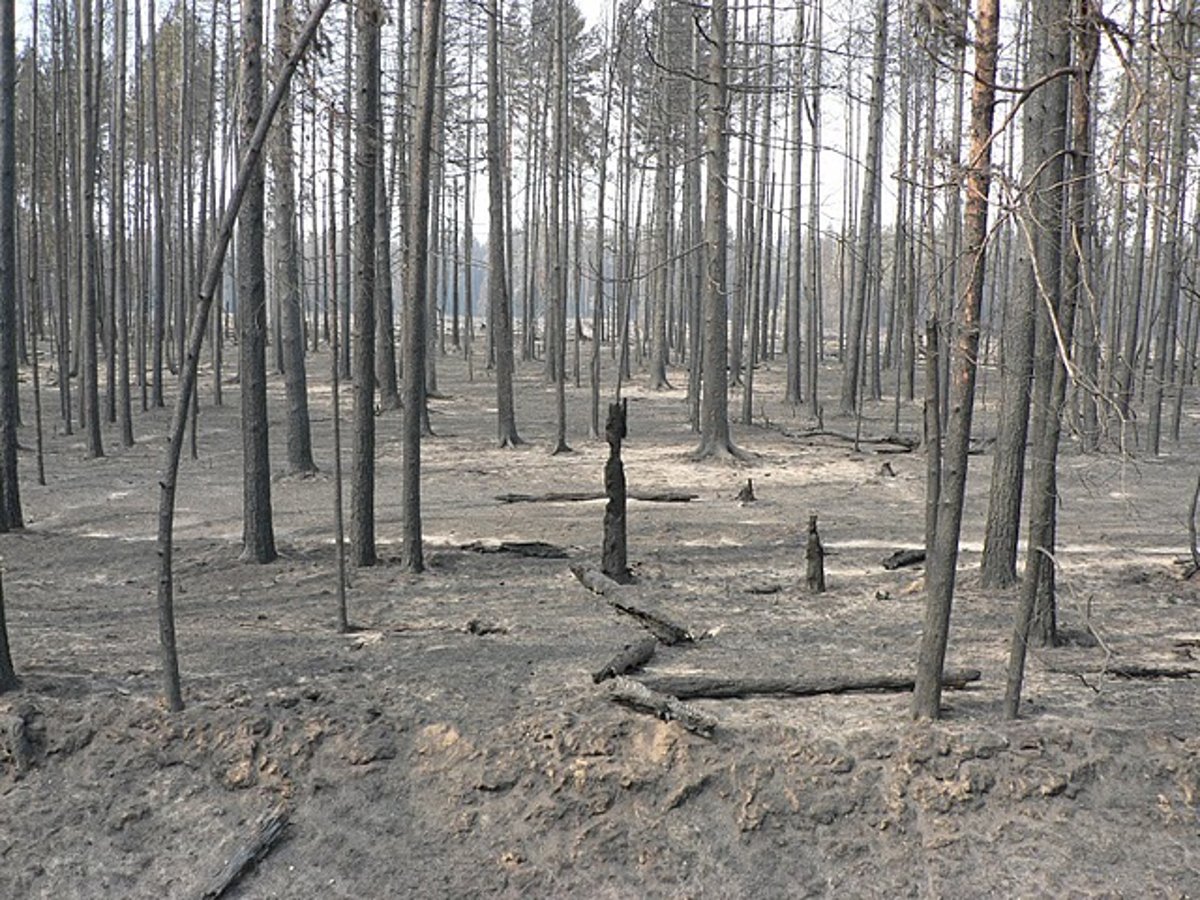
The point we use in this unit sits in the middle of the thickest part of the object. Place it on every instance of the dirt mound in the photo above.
(585, 799)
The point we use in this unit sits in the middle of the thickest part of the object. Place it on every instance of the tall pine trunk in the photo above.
(10, 493)
(715, 439)
(88, 244)
(415, 336)
(1035, 619)
(499, 299)
(258, 535)
(368, 16)
(287, 264)
(856, 336)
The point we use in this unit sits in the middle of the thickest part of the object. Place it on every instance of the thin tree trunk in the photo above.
(90, 412)
(715, 439)
(159, 291)
(557, 236)
(367, 23)
(1169, 279)
(168, 478)
(339, 517)
(10, 493)
(258, 533)
(34, 267)
(814, 312)
(1138, 292)
(1035, 619)
(856, 336)
(1029, 336)
(499, 300)
(598, 252)
(415, 336)
(288, 259)
(942, 557)
(793, 391)
(120, 264)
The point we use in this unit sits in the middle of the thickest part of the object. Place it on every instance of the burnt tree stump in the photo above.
(614, 560)
(814, 555)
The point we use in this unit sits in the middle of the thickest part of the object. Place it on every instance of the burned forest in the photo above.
(599, 448)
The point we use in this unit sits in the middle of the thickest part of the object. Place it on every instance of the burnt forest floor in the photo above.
(454, 744)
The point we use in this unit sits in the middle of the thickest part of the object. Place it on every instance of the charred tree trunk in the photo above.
(287, 265)
(10, 494)
(415, 337)
(362, 483)
(614, 558)
(943, 555)
(715, 439)
(258, 536)
(168, 479)
(499, 299)
(814, 558)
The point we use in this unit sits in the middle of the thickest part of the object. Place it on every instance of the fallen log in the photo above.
(664, 629)
(633, 656)
(1129, 670)
(595, 581)
(585, 496)
(900, 442)
(902, 558)
(245, 856)
(692, 687)
(637, 696)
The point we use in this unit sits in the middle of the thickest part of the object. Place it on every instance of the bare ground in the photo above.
(455, 746)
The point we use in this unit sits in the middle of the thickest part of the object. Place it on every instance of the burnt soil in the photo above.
(454, 744)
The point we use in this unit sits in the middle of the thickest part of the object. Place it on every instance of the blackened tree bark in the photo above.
(368, 16)
(1055, 314)
(120, 267)
(8, 675)
(614, 553)
(1044, 136)
(33, 275)
(1036, 613)
(287, 264)
(942, 557)
(415, 336)
(933, 431)
(10, 492)
(385, 328)
(258, 535)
